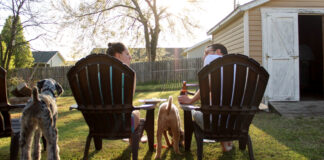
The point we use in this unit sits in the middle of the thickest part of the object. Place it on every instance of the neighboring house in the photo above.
(271, 32)
(197, 50)
(48, 58)
(138, 54)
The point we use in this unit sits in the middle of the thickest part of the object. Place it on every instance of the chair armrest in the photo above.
(188, 107)
(192, 85)
(74, 106)
(7, 107)
(145, 107)
(14, 106)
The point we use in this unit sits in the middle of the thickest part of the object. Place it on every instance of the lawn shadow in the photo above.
(68, 129)
(126, 154)
(294, 133)
(148, 154)
(165, 153)
(92, 154)
(231, 154)
(174, 155)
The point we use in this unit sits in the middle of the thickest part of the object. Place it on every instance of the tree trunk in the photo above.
(147, 43)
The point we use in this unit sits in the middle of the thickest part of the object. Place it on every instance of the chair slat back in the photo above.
(103, 89)
(231, 90)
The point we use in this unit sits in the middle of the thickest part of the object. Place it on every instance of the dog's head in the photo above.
(51, 86)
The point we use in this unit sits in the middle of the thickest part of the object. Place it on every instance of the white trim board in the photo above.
(308, 11)
(246, 33)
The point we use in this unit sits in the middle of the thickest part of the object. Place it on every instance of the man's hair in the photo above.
(218, 46)
(114, 48)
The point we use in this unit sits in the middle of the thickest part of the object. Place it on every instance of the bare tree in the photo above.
(139, 20)
(17, 9)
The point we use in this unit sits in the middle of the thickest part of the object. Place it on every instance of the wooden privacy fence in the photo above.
(161, 71)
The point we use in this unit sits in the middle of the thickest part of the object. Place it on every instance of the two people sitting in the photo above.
(119, 51)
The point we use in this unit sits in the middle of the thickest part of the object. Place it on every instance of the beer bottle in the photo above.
(184, 88)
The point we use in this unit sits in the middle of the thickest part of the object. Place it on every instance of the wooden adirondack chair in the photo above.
(8, 127)
(228, 104)
(103, 88)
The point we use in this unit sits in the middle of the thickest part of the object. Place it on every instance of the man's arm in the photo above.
(184, 99)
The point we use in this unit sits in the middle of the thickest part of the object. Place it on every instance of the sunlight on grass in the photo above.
(273, 137)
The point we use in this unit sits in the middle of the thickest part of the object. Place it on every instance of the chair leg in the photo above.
(136, 136)
(242, 143)
(188, 127)
(87, 146)
(250, 148)
(98, 143)
(199, 141)
(149, 128)
(14, 146)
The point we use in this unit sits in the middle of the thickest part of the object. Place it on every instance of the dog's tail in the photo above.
(169, 105)
(35, 94)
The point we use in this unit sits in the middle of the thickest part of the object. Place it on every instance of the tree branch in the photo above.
(107, 9)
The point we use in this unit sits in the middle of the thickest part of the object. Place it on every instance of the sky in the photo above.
(212, 12)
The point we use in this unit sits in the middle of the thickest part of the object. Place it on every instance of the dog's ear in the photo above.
(40, 85)
(59, 89)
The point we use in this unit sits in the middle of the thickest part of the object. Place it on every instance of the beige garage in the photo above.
(286, 37)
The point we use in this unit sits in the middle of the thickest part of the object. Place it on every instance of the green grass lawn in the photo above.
(273, 137)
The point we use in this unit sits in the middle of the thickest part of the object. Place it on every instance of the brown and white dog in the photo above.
(40, 116)
(168, 120)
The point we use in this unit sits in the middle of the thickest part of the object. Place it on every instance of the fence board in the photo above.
(161, 71)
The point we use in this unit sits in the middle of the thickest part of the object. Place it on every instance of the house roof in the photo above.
(197, 45)
(237, 12)
(45, 56)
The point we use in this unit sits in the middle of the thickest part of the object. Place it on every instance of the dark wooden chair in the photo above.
(8, 127)
(228, 104)
(103, 88)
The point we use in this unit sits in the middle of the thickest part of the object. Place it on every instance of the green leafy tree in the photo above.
(3, 48)
(16, 49)
(21, 55)
(142, 21)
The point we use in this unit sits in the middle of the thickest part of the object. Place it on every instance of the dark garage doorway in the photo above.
(310, 57)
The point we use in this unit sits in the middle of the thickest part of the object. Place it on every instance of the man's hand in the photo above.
(184, 99)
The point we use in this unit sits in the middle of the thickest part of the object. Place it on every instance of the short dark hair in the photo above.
(114, 48)
(218, 46)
